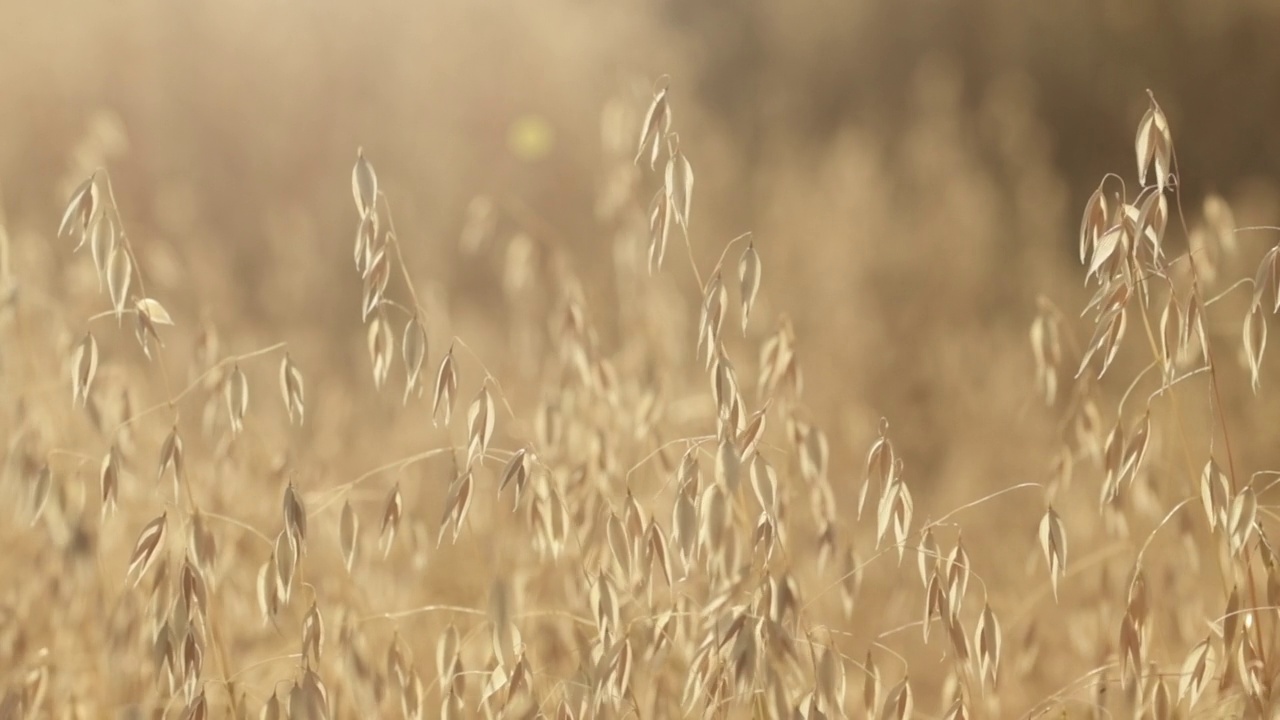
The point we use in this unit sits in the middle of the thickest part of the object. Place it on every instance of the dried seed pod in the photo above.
(349, 535)
(1214, 494)
(149, 314)
(390, 519)
(273, 709)
(657, 121)
(988, 640)
(292, 389)
(295, 518)
(456, 506)
(881, 465)
(1094, 223)
(1255, 343)
(764, 483)
(660, 218)
(237, 390)
(712, 317)
(376, 278)
(1197, 671)
(84, 367)
(145, 550)
(678, 185)
(517, 470)
(193, 590)
(40, 490)
(447, 648)
(119, 278)
(894, 512)
(1149, 223)
(1106, 341)
(109, 480)
(480, 421)
(366, 242)
(1053, 541)
(381, 347)
(198, 708)
(286, 556)
(312, 636)
(414, 347)
(898, 703)
(446, 389)
(102, 241)
(364, 184)
(657, 552)
(204, 546)
(80, 209)
(268, 589)
(749, 281)
(1154, 145)
(1241, 519)
(171, 459)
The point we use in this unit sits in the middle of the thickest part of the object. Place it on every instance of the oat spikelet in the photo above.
(988, 640)
(292, 389)
(1053, 541)
(749, 278)
(119, 278)
(81, 208)
(660, 218)
(1094, 223)
(446, 390)
(364, 184)
(391, 512)
(312, 636)
(171, 459)
(376, 278)
(349, 535)
(517, 470)
(268, 590)
(1214, 493)
(456, 506)
(40, 490)
(480, 421)
(84, 367)
(414, 348)
(656, 123)
(237, 390)
(1197, 671)
(102, 241)
(1255, 343)
(286, 555)
(295, 518)
(678, 185)
(381, 348)
(898, 704)
(1154, 145)
(145, 550)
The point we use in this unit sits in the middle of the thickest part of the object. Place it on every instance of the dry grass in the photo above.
(621, 488)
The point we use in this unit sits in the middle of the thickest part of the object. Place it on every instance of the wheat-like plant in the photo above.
(651, 524)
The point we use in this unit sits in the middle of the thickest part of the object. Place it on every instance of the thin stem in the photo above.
(979, 501)
(394, 241)
(137, 268)
(333, 494)
(488, 376)
(195, 384)
(240, 524)
(1224, 293)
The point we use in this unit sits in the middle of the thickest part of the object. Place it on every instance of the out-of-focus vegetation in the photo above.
(912, 176)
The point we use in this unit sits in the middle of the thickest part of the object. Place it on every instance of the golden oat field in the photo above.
(645, 359)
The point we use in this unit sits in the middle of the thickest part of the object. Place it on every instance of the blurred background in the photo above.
(913, 172)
